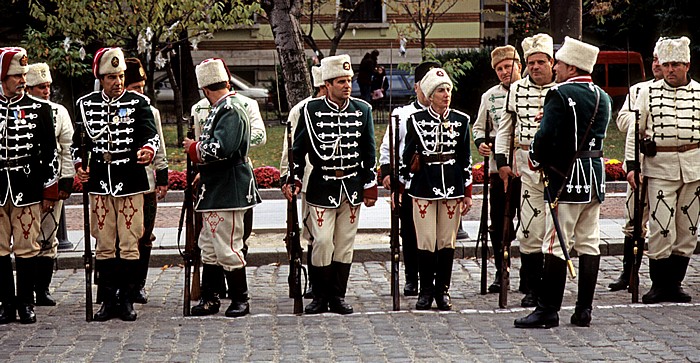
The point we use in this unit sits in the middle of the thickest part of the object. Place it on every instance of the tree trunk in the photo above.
(283, 16)
(566, 19)
(186, 81)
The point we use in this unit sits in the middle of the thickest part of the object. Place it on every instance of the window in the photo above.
(368, 11)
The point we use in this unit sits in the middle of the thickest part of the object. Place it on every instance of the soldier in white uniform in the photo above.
(409, 245)
(526, 101)
(337, 134)
(157, 172)
(28, 184)
(39, 85)
(506, 62)
(669, 116)
(626, 118)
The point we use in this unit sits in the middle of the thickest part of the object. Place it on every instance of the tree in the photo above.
(423, 14)
(345, 10)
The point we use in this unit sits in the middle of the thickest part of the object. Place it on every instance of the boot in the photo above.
(587, 278)
(495, 286)
(144, 259)
(309, 294)
(336, 301)
(409, 247)
(532, 268)
(679, 266)
(44, 274)
(321, 279)
(238, 292)
(26, 268)
(623, 282)
(131, 270)
(550, 296)
(443, 277)
(8, 313)
(211, 282)
(659, 271)
(110, 304)
(426, 272)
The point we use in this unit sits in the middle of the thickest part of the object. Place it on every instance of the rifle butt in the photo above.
(186, 295)
(395, 292)
(195, 291)
(88, 292)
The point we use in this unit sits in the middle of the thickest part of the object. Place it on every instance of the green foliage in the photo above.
(455, 65)
(64, 59)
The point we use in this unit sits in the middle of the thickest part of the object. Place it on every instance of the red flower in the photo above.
(267, 177)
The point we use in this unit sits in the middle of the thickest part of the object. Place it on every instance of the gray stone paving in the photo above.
(475, 331)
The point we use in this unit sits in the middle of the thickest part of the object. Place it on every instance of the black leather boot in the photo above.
(26, 268)
(131, 273)
(532, 267)
(336, 301)
(42, 280)
(659, 271)
(546, 314)
(309, 294)
(443, 277)
(8, 313)
(679, 265)
(321, 282)
(587, 278)
(108, 285)
(238, 292)
(140, 296)
(495, 286)
(623, 282)
(409, 246)
(426, 268)
(211, 283)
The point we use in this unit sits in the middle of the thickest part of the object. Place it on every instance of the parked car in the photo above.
(164, 91)
(400, 87)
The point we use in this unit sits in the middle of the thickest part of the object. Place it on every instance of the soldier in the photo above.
(669, 115)
(39, 85)
(525, 102)
(337, 134)
(293, 118)
(227, 189)
(118, 130)
(28, 184)
(568, 147)
(439, 174)
(408, 230)
(626, 118)
(506, 62)
(157, 172)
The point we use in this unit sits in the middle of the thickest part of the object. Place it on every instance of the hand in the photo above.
(504, 172)
(161, 191)
(62, 194)
(83, 175)
(466, 205)
(47, 206)
(485, 149)
(369, 202)
(195, 181)
(393, 205)
(539, 116)
(386, 182)
(630, 179)
(144, 156)
(287, 191)
(186, 143)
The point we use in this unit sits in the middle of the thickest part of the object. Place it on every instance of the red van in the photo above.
(611, 70)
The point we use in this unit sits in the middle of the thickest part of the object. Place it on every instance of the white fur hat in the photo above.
(500, 54)
(13, 61)
(210, 71)
(108, 61)
(38, 73)
(336, 66)
(674, 50)
(578, 54)
(435, 78)
(317, 76)
(656, 46)
(538, 43)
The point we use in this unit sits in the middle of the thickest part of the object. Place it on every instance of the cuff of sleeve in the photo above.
(501, 160)
(78, 165)
(51, 192)
(468, 191)
(153, 153)
(192, 152)
(631, 165)
(532, 164)
(479, 141)
(385, 169)
(371, 192)
(162, 177)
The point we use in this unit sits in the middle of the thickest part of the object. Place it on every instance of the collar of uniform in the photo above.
(580, 79)
(335, 107)
(419, 106)
(437, 115)
(106, 98)
(232, 93)
(10, 101)
(685, 86)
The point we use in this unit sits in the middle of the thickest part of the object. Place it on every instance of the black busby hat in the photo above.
(423, 68)
(134, 71)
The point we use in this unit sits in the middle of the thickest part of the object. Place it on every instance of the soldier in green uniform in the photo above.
(337, 134)
(568, 148)
(226, 190)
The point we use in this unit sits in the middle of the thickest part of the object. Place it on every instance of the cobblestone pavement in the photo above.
(475, 331)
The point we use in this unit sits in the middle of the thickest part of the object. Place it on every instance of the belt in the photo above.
(677, 149)
(590, 154)
(339, 173)
(11, 163)
(438, 158)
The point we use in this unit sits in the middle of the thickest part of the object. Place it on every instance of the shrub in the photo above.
(267, 177)
(177, 180)
(614, 171)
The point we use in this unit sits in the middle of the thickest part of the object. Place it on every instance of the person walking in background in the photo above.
(364, 75)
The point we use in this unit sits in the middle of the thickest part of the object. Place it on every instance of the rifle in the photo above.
(191, 253)
(484, 224)
(394, 234)
(292, 239)
(87, 255)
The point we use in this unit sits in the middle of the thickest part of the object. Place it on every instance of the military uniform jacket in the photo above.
(115, 130)
(258, 135)
(525, 101)
(28, 157)
(157, 170)
(568, 110)
(670, 116)
(293, 119)
(626, 118)
(491, 111)
(63, 129)
(404, 114)
(227, 181)
(339, 142)
(442, 141)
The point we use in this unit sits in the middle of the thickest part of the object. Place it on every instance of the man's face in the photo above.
(339, 88)
(508, 71)
(137, 87)
(539, 66)
(441, 97)
(113, 84)
(562, 72)
(656, 69)
(42, 90)
(14, 85)
(676, 73)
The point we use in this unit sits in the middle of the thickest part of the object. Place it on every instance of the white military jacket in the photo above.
(157, 171)
(404, 113)
(626, 116)
(491, 111)
(63, 128)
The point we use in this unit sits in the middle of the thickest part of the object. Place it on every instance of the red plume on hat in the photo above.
(13, 60)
